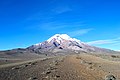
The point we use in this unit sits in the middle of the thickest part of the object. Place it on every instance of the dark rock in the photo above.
(60, 48)
(33, 78)
(34, 63)
(26, 65)
(46, 72)
(114, 56)
(90, 63)
(51, 68)
(110, 77)
(57, 76)
(90, 67)
(29, 62)
(15, 68)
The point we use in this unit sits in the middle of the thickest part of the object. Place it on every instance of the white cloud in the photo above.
(108, 41)
(79, 32)
(52, 26)
(61, 26)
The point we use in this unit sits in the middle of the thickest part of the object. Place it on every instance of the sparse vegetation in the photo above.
(115, 56)
(77, 67)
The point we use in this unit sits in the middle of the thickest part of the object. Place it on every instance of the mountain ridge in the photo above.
(62, 42)
(64, 45)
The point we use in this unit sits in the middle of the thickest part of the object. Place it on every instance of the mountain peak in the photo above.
(60, 37)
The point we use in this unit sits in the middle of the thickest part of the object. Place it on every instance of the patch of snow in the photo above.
(60, 37)
(38, 44)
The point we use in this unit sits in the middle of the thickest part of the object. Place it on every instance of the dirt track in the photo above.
(72, 67)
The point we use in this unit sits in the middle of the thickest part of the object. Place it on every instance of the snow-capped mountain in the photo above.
(62, 42)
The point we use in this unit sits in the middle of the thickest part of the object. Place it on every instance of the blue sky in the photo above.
(27, 22)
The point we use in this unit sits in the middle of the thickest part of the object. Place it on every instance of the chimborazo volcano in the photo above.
(64, 43)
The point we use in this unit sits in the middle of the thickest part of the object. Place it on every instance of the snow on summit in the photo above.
(60, 37)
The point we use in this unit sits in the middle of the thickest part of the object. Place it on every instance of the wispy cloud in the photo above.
(59, 25)
(108, 41)
(79, 32)
(39, 16)
(63, 27)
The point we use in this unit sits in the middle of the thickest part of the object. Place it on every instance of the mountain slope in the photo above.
(63, 42)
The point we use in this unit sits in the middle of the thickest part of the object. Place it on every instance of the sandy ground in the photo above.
(71, 67)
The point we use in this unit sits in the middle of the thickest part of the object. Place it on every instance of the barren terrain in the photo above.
(71, 67)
